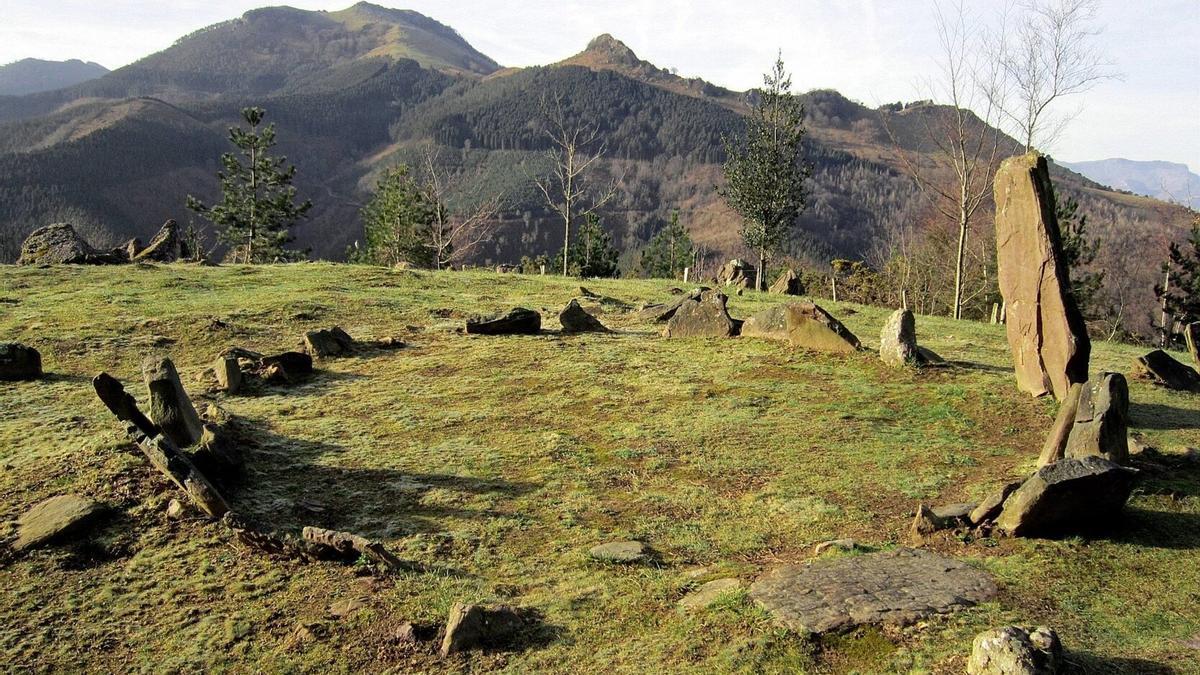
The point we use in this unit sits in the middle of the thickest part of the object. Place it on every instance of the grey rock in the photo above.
(473, 626)
(706, 316)
(788, 283)
(19, 362)
(176, 510)
(1101, 425)
(990, 507)
(708, 594)
(55, 519)
(621, 552)
(59, 244)
(575, 319)
(228, 373)
(898, 340)
(738, 273)
(662, 312)
(1066, 497)
(839, 544)
(1013, 650)
(1159, 367)
(802, 324)
(518, 321)
(290, 364)
(170, 407)
(167, 246)
(321, 344)
(896, 587)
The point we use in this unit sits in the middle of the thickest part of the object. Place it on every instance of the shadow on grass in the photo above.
(286, 486)
(1157, 529)
(1081, 663)
(979, 367)
(1159, 416)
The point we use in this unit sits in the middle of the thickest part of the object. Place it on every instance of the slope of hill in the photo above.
(1168, 181)
(30, 76)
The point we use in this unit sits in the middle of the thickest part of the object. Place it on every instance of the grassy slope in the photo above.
(498, 461)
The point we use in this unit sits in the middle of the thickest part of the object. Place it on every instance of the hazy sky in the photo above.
(874, 51)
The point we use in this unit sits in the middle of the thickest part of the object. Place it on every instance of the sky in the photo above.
(873, 51)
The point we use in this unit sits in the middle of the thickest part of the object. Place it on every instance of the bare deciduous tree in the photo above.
(575, 149)
(961, 134)
(1049, 55)
(454, 235)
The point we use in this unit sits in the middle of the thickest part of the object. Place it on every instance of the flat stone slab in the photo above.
(621, 552)
(896, 587)
(55, 518)
(708, 594)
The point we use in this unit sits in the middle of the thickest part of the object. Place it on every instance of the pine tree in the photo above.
(592, 254)
(258, 206)
(669, 252)
(397, 222)
(1181, 297)
(1079, 252)
(764, 170)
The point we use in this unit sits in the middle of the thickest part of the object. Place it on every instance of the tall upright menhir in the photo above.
(258, 201)
(765, 171)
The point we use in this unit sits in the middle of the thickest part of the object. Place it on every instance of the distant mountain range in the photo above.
(356, 90)
(30, 76)
(1168, 181)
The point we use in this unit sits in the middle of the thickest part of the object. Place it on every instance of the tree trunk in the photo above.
(960, 261)
(762, 263)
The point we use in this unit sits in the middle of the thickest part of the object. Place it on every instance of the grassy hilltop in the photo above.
(496, 462)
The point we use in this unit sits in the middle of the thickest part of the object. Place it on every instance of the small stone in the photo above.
(342, 609)
(306, 632)
(708, 594)
(54, 519)
(621, 552)
(1013, 650)
(176, 510)
(991, 506)
(840, 544)
(19, 362)
(406, 633)
(228, 374)
(575, 319)
(788, 283)
(328, 342)
(471, 626)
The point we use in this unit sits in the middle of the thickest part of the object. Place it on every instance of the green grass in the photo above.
(497, 463)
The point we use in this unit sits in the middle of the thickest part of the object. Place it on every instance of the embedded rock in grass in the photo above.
(708, 594)
(18, 362)
(129, 250)
(59, 244)
(575, 319)
(788, 283)
(804, 325)
(518, 321)
(840, 544)
(706, 316)
(662, 312)
(625, 552)
(1046, 331)
(1013, 650)
(472, 626)
(898, 340)
(54, 519)
(1160, 368)
(929, 520)
(170, 407)
(167, 246)
(328, 342)
(1101, 425)
(290, 364)
(896, 587)
(738, 273)
(1066, 497)
(228, 373)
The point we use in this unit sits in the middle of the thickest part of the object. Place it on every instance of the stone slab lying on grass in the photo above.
(575, 319)
(804, 325)
(19, 362)
(706, 316)
(328, 342)
(472, 626)
(1067, 497)
(54, 519)
(708, 594)
(893, 587)
(1162, 369)
(621, 552)
(517, 321)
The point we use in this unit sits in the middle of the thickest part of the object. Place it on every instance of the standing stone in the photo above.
(18, 362)
(328, 342)
(54, 519)
(1055, 446)
(1101, 427)
(804, 325)
(229, 374)
(471, 626)
(167, 246)
(1191, 334)
(518, 321)
(1159, 367)
(788, 283)
(170, 407)
(898, 341)
(1045, 329)
(704, 317)
(575, 319)
(1016, 651)
(1067, 497)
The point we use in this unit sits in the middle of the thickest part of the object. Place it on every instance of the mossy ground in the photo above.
(496, 462)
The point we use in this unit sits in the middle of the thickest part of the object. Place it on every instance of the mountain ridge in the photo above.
(32, 76)
(1163, 180)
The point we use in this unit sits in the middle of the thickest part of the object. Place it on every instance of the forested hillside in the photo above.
(355, 91)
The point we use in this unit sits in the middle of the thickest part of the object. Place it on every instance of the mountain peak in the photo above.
(612, 50)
